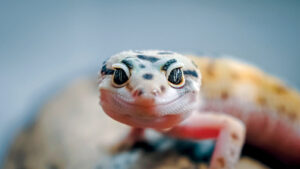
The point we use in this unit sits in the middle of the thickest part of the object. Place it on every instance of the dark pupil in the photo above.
(175, 76)
(120, 76)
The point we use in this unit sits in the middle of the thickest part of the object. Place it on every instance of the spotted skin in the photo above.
(105, 71)
(266, 92)
(191, 73)
(127, 63)
(142, 66)
(168, 63)
(269, 109)
(212, 99)
(148, 58)
(148, 76)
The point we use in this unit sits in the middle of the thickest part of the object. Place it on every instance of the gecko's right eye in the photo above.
(121, 75)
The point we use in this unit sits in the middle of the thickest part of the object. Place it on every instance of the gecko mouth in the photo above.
(148, 103)
(148, 113)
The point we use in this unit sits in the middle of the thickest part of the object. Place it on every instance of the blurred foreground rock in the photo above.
(72, 132)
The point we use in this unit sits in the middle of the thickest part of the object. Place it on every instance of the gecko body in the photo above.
(202, 98)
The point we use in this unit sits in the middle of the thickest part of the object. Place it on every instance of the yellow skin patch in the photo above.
(222, 78)
(202, 98)
(269, 109)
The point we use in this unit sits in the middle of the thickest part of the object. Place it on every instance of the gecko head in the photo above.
(149, 88)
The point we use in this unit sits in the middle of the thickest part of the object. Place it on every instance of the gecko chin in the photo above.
(147, 113)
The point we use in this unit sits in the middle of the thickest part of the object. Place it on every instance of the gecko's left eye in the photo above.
(175, 77)
(121, 75)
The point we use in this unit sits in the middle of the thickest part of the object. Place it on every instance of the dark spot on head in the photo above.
(148, 76)
(190, 73)
(261, 100)
(224, 95)
(106, 71)
(168, 64)
(128, 63)
(221, 161)
(162, 88)
(148, 58)
(142, 66)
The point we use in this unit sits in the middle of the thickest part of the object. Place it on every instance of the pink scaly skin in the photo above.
(162, 90)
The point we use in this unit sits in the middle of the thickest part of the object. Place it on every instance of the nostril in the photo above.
(146, 93)
(137, 92)
(155, 92)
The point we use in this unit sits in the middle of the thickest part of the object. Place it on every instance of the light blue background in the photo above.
(43, 44)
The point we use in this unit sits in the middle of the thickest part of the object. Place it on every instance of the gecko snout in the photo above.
(141, 92)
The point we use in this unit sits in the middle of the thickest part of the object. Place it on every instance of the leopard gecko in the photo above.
(199, 98)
